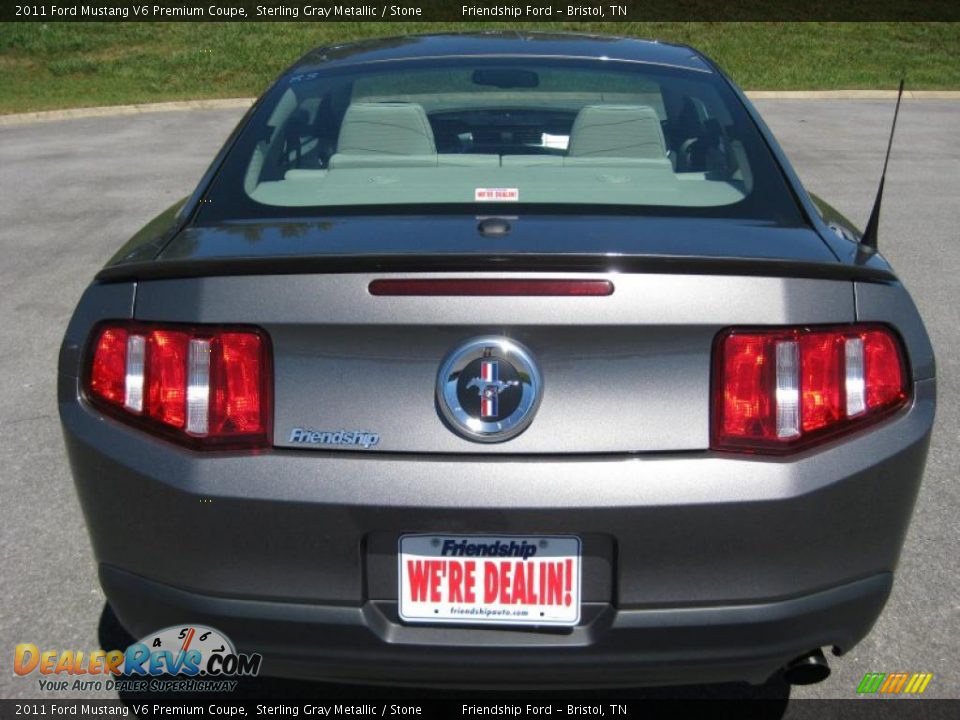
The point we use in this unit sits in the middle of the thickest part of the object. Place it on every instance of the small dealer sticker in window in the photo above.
(496, 195)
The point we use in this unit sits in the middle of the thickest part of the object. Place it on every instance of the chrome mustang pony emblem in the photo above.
(488, 390)
(489, 386)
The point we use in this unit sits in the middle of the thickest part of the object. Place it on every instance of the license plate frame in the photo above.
(547, 593)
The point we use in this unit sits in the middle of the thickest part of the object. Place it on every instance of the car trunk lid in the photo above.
(625, 372)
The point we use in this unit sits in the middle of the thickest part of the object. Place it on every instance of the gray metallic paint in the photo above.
(345, 359)
(783, 527)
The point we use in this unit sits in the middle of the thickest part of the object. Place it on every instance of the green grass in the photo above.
(56, 65)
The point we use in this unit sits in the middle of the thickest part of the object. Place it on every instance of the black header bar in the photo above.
(537, 11)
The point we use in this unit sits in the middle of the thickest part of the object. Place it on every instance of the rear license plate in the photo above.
(516, 580)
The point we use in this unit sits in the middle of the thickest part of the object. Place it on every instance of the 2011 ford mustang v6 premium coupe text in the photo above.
(506, 359)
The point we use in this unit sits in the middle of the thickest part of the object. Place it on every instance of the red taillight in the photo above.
(109, 368)
(748, 368)
(236, 406)
(202, 386)
(821, 379)
(166, 377)
(780, 389)
(883, 372)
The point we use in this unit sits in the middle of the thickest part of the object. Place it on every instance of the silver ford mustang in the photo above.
(501, 359)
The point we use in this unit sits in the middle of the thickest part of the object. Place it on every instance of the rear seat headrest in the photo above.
(626, 131)
(388, 128)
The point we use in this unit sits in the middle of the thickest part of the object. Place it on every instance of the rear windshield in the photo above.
(517, 132)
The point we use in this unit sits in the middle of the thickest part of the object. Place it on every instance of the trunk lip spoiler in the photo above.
(536, 263)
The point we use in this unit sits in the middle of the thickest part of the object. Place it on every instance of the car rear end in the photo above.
(716, 476)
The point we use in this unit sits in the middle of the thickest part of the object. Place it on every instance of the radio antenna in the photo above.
(869, 237)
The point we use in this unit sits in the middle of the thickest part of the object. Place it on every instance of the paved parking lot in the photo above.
(72, 191)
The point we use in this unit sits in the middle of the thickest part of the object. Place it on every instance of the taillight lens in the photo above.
(166, 377)
(776, 390)
(236, 403)
(205, 387)
(109, 370)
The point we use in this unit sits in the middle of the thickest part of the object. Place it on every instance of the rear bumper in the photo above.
(612, 647)
(697, 567)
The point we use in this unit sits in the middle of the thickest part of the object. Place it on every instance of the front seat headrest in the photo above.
(622, 131)
(387, 128)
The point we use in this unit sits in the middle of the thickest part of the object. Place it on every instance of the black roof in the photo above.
(504, 43)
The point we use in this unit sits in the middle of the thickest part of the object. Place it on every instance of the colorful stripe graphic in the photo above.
(894, 683)
(489, 373)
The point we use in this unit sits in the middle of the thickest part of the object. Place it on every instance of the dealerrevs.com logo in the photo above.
(191, 658)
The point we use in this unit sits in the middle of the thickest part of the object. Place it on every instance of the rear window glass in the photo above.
(505, 131)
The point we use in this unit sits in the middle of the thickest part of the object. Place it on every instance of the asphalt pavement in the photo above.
(72, 191)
